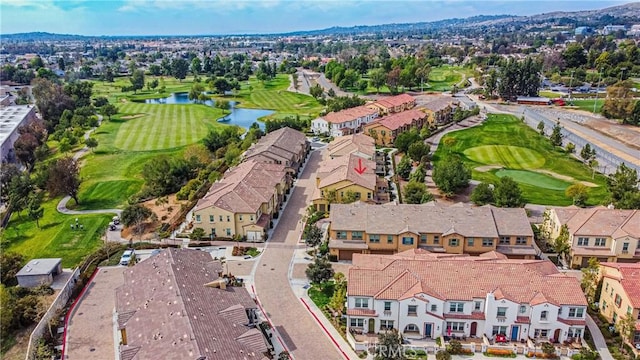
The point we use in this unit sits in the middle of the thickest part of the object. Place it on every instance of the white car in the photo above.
(127, 257)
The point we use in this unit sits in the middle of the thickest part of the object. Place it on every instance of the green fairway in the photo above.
(587, 104)
(164, 126)
(534, 179)
(442, 78)
(113, 90)
(504, 141)
(513, 157)
(55, 237)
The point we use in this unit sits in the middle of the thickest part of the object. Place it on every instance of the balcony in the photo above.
(386, 313)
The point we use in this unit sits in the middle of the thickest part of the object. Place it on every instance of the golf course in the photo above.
(504, 146)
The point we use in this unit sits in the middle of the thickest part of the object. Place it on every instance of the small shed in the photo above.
(38, 272)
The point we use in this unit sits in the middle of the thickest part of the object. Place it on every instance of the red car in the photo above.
(501, 338)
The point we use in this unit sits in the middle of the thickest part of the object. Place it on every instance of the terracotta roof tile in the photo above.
(349, 114)
(629, 279)
(343, 168)
(283, 143)
(397, 120)
(393, 101)
(361, 312)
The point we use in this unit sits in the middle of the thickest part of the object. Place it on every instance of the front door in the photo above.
(427, 330)
(556, 335)
(515, 330)
(372, 326)
(474, 328)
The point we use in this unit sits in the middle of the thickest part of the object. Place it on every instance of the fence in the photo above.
(59, 303)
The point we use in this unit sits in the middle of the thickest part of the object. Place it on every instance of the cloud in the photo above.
(220, 5)
(42, 4)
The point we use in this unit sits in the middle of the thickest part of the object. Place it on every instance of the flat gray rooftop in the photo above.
(11, 117)
(39, 267)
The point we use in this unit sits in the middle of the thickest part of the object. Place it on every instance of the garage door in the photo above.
(631, 260)
(382, 252)
(254, 236)
(347, 254)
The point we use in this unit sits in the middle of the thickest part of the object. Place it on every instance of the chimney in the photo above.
(218, 283)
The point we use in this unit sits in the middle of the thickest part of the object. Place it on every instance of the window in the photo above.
(576, 312)
(455, 326)
(629, 310)
(456, 307)
(412, 310)
(211, 218)
(228, 218)
(476, 306)
(407, 240)
(522, 309)
(240, 217)
(454, 242)
(540, 333)
(574, 333)
(469, 241)
(434, 308)
(411, 328)
(487, 242)
(357, 322)
(543, 315)
(618, 300)
(499, 330)
(374, 239)
(341, 234)
(220, 217)
(520, 240)
(362, 302)
(582, 241)
(356, 235)
(502, 311)
(251, 217)
(601, 242)
(436, 240)
(423, 238)
(505, 240)
(606, 287)
(615, 317)
(369, 195)
(386, 324)
(197, 218)
(389, 239)
(387, 306)
(625, 248)
(604, 305)
(228, 232)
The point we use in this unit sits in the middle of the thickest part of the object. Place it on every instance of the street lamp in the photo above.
(570, 87)
(597, 89)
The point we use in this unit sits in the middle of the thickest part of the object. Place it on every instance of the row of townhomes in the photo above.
(178, 304)
(425, 296)
(610, 235)
(453, 229)
(620, 296)
(350, 167)
(387, 128)
(248, 197)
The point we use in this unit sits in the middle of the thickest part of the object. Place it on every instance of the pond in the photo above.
(237, 116)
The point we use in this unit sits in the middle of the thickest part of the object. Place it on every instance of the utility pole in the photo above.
(570, 87)
(595, 103)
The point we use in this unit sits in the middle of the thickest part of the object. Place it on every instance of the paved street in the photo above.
(300, 332)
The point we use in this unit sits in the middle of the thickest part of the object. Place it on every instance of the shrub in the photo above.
(438, 341)
(500, 353)
(541, 355)
(443, 355)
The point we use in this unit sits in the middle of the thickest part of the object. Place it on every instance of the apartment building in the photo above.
(610, 235)
(244, 201)
(358, 144)
(425, 295)
(344, 122)
(11, 119)
(385, 130)
(394, 104)
(620, 296)
(457, 229)
(284, 146)
(439, 109)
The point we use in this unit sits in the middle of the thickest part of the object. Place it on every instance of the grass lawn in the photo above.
(55, 238)
(113, 91)
(321, 293)
(550, 94)
(587, 104)
(520, 152)
(442, 78)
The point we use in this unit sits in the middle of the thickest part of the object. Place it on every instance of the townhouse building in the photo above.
(244, 201)
(458, 229)
(344, 122)
(425, 295)
(394, 104)
(439, 109)
(359, 144)
(284, 146)
(610, 235)
(385, 130)
(620, 296)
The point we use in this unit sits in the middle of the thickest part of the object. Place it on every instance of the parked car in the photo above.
(128, 257)
(112, 226)
(116, 220)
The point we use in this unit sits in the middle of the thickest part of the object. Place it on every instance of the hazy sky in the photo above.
(187, 17)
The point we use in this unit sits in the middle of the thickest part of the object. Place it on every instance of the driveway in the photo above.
(294, 323)
(90, 334)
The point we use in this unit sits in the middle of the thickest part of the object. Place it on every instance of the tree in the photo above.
(34, 207)
(162, 200)
(134, 215)
(108, 110)
(541, 128)
(578, 193)
(316, 91)
(223, 105)
(587, 153)
(418, 174)
(627, 328)
(451, 175)
(64, 178)
(574, 55)
(393, 79)
(197, 234)
(339, 297)
(137, 80)
(571, 148)
(220, 85)
(179, 68)
(403, 169)
(9, 171)
(19, 189)
(622, 184)
(25, 149)
(548, 349)
(417, 150)
(556, 135)
(10, 263)
(561, 244)
(377, 78)
(91, 143)
(196, 66)
(619, 103)
(320, 270)
(389, 346)
(423, 72)
(482, 194)
(349, 197)
(507, 193)
(313, 235)
(406, 139)
(416, 193)
(194, 93)
(589, 282)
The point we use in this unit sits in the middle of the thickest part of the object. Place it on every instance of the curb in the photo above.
(72, 309)
(325, 329)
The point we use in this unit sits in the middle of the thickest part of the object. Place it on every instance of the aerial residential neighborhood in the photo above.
(319, 180)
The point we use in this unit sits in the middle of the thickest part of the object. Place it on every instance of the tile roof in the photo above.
(332, 171)
(600, 221)
(175, 313)
(629, 279)
(437, 103)
(397, 120)
(392, 218)
(393, 101)
(462, 278)
(244, 188)
(361, 312)
(349, 114)
(285, 143)
(348, 144)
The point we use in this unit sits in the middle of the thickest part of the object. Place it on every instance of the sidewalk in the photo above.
(598, 339)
